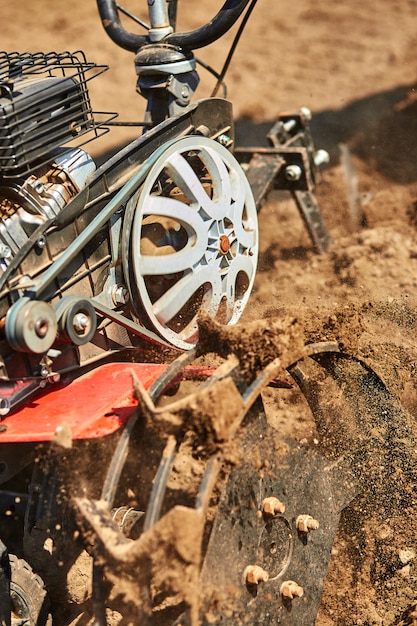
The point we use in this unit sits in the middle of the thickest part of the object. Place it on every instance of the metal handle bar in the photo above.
(198, 38)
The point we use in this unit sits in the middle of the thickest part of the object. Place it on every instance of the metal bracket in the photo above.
(311, 215)
(290, 164)
(261, 174)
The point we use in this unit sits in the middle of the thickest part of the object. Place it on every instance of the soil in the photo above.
(354, 65)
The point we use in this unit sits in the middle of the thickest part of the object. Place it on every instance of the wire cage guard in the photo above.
(44, 104)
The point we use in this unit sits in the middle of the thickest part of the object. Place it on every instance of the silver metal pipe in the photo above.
(159, 19)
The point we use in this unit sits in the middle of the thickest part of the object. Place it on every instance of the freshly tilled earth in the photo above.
(354, 65)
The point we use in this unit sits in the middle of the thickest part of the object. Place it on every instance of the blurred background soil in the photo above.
(354, 65)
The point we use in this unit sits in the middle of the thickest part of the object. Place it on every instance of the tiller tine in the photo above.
(168, 556)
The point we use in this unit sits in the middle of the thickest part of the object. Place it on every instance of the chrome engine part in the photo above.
(40, 197)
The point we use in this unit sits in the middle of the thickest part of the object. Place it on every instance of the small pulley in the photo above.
(31, 326)
(77, 320)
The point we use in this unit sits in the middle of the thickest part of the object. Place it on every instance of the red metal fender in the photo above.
(93, 405)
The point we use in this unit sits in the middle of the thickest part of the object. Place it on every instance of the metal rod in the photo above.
(158, 13)
(160, 483)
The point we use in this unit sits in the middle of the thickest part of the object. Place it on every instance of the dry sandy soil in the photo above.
(354, 65)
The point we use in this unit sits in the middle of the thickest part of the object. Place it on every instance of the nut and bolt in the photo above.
(224, 140)
(41, 327)
(289, 125)
(224, 244)
(293, 173)
(80, 322)
(41, 243)
(321, 157)
(45, 371)
(304, 523)
(305, 113)
(120, 295)
(273, 506)
(290, 589)
(254, 574)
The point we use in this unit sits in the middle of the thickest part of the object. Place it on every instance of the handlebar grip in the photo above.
(198, 38)
(212, 31)
(113, 27)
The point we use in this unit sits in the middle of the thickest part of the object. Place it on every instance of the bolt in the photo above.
(80, 322)
(45, 371)
(306, 113)
(224, 140)
(120, 295)
(293, 172)
(321, 157)
(224, 244)
(63, 437)
(5, 251)
(273, 506)
(289, 589)
(41, 327)
(305, 523)
(289, 125)
(41, 242)
(75, 128)
(254, 574)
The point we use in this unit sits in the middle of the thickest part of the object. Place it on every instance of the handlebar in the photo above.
(198, 38)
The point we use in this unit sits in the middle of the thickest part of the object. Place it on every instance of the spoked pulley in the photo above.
(190, 240)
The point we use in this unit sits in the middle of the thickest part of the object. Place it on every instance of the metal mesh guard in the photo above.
(45, 104)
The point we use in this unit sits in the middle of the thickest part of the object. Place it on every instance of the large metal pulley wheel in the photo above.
(190, 240)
